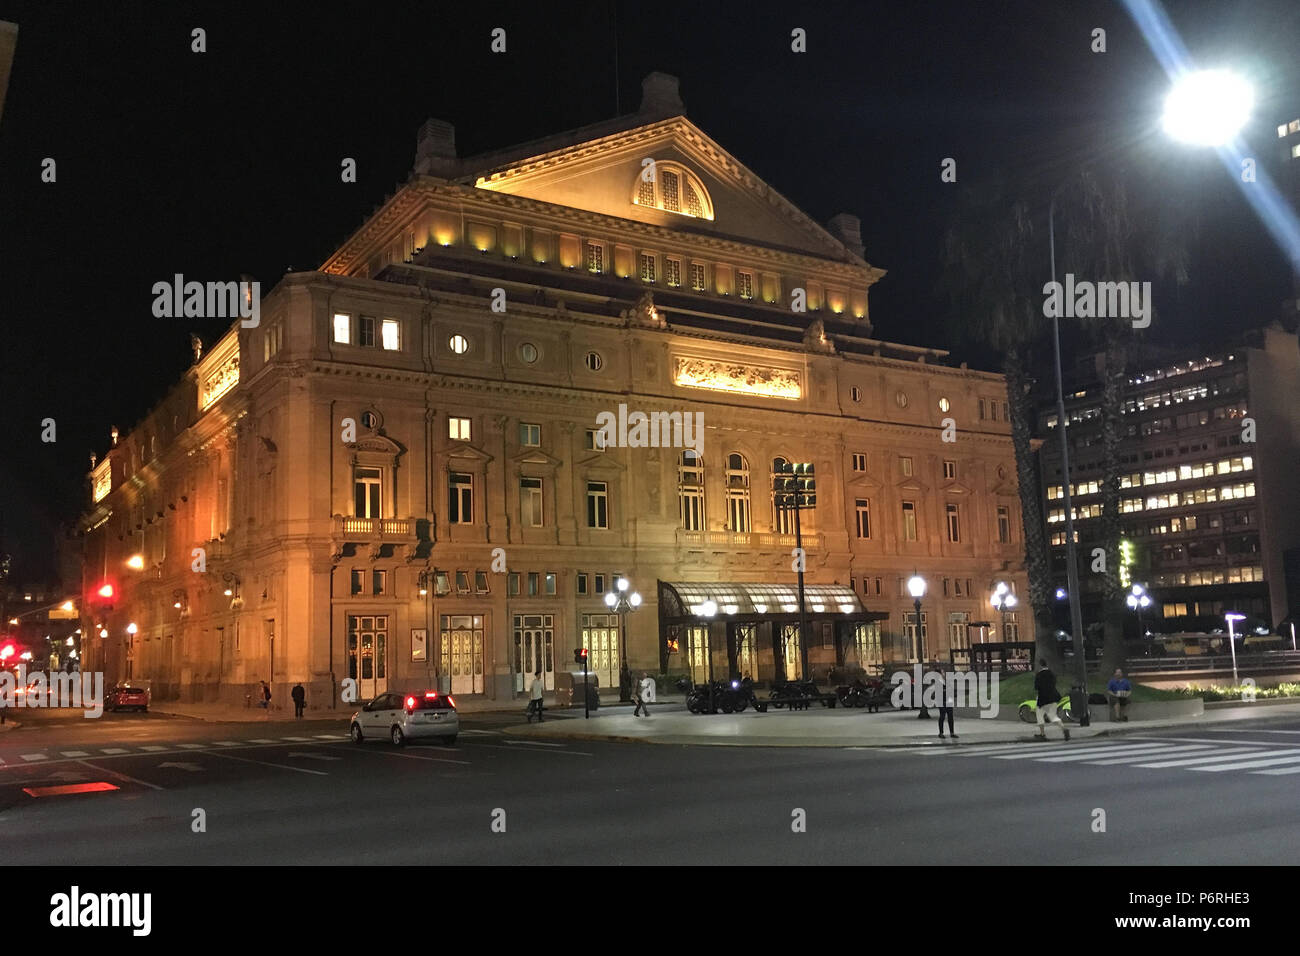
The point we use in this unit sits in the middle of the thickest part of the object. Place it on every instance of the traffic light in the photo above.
(104, 596)
(580, 655)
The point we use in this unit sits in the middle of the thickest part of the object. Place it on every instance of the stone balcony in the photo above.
(379, 537)
(744, 541)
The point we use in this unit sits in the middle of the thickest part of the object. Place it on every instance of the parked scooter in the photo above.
(1029, 710)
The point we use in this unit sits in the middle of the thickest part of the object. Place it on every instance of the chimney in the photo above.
(435, 148)
(659, 97)
(847, 228)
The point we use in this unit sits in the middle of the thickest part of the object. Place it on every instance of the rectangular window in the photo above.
(366, 331)
(949, 469)
(460, 508)
(342, 328)
(481, 582)
(530, 501)
(698, 277)
(392, 332)
(441, 583)
(597, 504)
(581, 579)
(879, 582)
(863, 510)
(592, 440)
(859, 461)
(906, 465)
(549, 582)
(956, 587)
(1004, 524)
(595, 257)
(954, 525)
(673, 272)
(357, 577)
(462, 582)
(599, 581)
(984, 410)
(909, 521)
(512, 584)
(647, 267)
(669, 192)
(378, 582)
(458, 429)
(530, 434)
(745, 285)
(534, 580)
(366, 488)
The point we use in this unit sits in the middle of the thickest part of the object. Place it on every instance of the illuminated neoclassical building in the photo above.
(398, 475)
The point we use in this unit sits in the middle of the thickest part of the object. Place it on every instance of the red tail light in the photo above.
(430, 694)
(410, 703)
(452, 699)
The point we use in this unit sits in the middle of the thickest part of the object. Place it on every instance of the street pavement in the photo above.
(298, 792)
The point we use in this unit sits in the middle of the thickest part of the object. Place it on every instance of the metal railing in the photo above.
(345, 525)
(745, 539)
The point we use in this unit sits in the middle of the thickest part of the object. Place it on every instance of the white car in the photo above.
(403, 717)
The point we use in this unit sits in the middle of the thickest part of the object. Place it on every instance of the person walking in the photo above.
(264, 696)
(1119, 689)
(642, 696)
(1048, 700)
(535, 702)
(299, 699)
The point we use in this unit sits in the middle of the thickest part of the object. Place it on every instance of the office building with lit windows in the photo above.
(406, 474)
(1210, 451)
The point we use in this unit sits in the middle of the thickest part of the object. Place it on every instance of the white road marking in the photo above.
(153, 747)
(331, 736)
(535, 743)
(75, 753)
(264, 763)
(1278, 771)
(1223, 755)
(227, 743)
(1095, 750)
(191, 746)
(261, 740)
(572, 753)
(482, 733)
(1186, 749)
(187, 767)
(1150, 752)
(114, 750)
(296, 740)
(34, 757)
(1249, 763)
(121, 776)
(394, 753)
(313, 756)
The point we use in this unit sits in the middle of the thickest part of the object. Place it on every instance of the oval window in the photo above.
(901, 399)
(458, 344)
(370, 420)
(528, 352)
(594, 361)
(944, 404)
(855, 393)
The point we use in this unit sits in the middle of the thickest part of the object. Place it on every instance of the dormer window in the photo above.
(673, 188)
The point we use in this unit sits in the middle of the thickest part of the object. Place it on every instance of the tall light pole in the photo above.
(1003, 600)
(916, 588)
(623, 601)
(706, 611)
(794, 487)
(1232, 618)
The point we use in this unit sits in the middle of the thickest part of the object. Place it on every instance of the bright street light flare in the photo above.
(1208, 107)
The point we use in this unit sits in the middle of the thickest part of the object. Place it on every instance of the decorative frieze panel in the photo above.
(732, 377)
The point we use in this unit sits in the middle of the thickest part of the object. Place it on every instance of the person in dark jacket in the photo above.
(299, 699)
(1048, 700)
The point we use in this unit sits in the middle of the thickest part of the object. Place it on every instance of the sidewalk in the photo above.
(839, 727)
(237, 713)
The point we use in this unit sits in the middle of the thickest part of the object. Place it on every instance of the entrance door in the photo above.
(600, 637)
(790, 650)
(368, 654)
(747, 650)
(697, 653)
(534, 650)
(462, 652)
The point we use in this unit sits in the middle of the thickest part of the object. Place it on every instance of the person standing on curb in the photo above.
(1048, 700)
(535, 703)
(299, 700)
(1119, 690)
(642, 696)
(947, 707)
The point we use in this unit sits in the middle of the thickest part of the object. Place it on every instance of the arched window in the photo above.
(690, 490)
(673, 188)
(738, 518)
(782, 518)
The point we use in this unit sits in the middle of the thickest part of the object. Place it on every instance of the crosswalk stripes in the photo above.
(1203, 755)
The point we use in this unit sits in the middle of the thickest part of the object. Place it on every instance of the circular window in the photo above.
(944, 404)
(900, 399)
(528, 352)
(371, 420)
(856, 393)
(594, 361)
(458, 344)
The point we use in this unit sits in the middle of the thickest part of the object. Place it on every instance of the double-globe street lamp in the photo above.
(916, 588)
(1003, 601)
(623, 600)
(1139, 600)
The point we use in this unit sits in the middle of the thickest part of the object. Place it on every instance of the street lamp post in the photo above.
(622, 601)
(707, 610)
(1233, 617)
(1003, 601)
(1137, 600)
(916, 588)
(794, 487)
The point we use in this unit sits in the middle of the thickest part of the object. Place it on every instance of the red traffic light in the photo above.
(105, 591)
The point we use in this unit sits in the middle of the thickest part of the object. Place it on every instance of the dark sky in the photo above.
(227, 162)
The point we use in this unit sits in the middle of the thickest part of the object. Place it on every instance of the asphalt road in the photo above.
(1223, 797)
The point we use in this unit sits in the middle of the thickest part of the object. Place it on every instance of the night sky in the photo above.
(227, 162)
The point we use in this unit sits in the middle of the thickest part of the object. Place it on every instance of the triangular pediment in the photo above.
(604, 176)
(601, 462)
(956, 488)
(464, 451)
(864, 481)
(535, 456)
